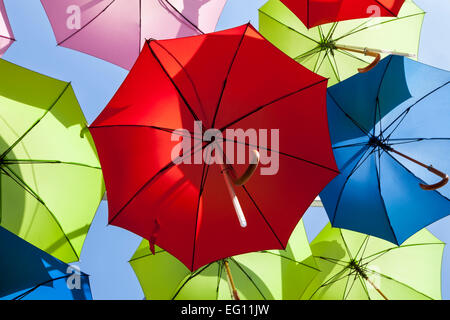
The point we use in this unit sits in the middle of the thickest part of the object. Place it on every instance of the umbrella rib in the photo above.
(249, 278)
(29, 190)
(386, 8)
(172, 81)
(290, 259)
(184, 17)
(401, 283)
(351, 55)
(205, 171)
(24, 294)
(271, 102)
(228, 74)
(383, 252)
(347, 115)
(378, 95)
(190, 277)
(160, 172)
(378, 24)
(290, 28)
(172, 131)
(406, 111)
(88, 23)
(3, 155)
(345, 184)
(219, 277)
(7, 38)
(197, 95)
(264, 218)
(423, 182)
(32, 161)
(284, 154)
(333, 279)
(381, 196)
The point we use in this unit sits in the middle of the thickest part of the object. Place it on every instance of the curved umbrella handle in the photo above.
(240, 181)
(374, 62)
(438, 185)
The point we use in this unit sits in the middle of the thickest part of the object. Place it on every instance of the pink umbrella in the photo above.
(115, 30)
(6, 35)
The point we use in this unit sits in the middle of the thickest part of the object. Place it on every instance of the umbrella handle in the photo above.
(374, 62)
(366, 52)
(231, 282)
(429, 187)
(242, 180)
(438, 185)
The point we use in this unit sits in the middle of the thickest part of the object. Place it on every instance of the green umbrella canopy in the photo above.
(278, 274)
(315, 48)
(355, 266)
(50, 178)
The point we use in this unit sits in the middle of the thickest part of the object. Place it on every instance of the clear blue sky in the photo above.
(107, 249)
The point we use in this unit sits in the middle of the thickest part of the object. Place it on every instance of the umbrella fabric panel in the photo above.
(259, 275)
(116, 30)
(6, 34)
(30, 273)
(398, 110)
(313, 47)
(189, 85)
(317, 12)
(411, 271)
(47, 162)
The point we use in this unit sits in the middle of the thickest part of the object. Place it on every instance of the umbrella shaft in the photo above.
(234, 198)
(231, 282)
(363, 50)
(376, 288)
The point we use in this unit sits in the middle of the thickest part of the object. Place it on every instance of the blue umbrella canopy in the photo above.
(27, 272)
(387, 127)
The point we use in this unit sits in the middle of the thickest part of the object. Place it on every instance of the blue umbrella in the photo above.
(27, 272)
(388, 126)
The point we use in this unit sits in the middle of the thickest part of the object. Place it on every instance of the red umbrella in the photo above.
(317, 12)
(233, 79)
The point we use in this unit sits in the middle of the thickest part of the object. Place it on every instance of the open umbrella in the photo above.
(196, 88)
(390, 133)
(115, 30)
(317, 12)
(50, 179)
(27, 273)
(355, 266)
(341, 49)
(274, 274)
(6, 35)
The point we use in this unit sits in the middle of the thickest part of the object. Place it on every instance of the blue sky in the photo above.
(107, 249)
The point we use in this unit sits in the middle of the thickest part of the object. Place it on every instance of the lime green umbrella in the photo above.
(50, 180)
(336, 50)
(255, 276)
(356, 266)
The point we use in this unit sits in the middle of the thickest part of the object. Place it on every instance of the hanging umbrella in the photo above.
(355, 266)
(115, 30)
(220, 80)
(50, 180)
(260, 275)
(27, 273)
(6, 35)
(341, 49)
(389, 130)
(316, 12)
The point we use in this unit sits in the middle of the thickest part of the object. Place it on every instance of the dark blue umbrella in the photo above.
(27, 272)
(387, 127)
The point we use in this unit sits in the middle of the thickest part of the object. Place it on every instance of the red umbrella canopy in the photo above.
(317, 12)
(228, 80)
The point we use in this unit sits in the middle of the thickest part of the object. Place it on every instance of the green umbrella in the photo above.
(357, 266)
(50, 180)
(329, 49)
(259, 275)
